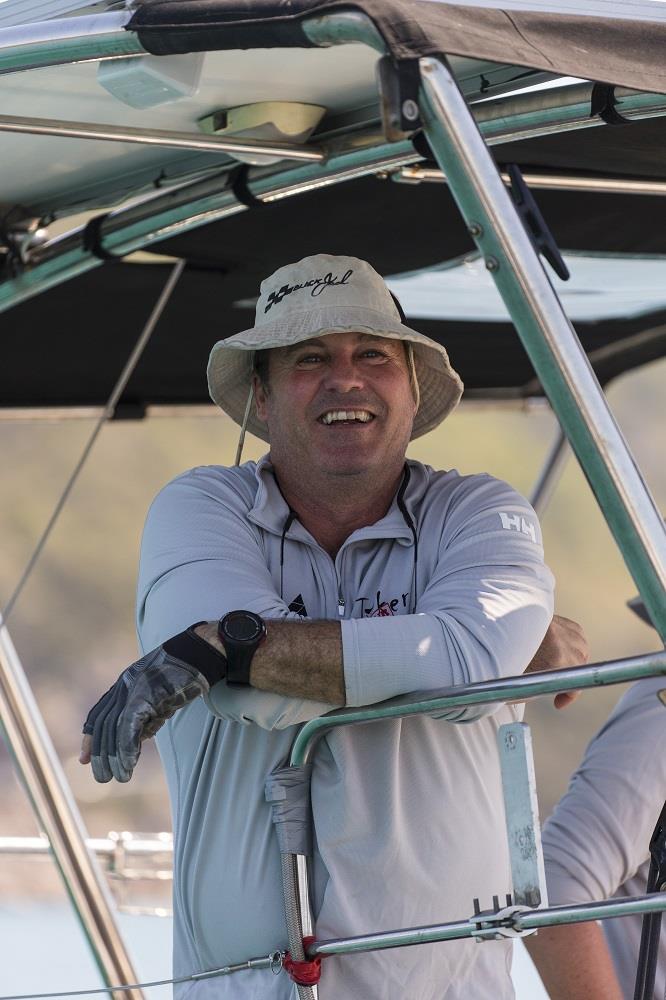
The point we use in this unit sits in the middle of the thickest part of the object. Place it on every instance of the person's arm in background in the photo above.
(596, 841)
(574, 962)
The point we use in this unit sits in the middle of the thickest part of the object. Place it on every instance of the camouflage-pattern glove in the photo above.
(145, 695)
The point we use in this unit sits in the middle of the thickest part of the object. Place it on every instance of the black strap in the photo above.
(192, 649)
(166, 27)
(92, 239)
(239, 186)
(603, 104)
(534, 222)
(401, 311)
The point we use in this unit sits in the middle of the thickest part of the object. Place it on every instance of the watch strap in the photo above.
(191, 648)
(239, 661)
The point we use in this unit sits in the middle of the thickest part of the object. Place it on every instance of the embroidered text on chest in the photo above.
(381, 608)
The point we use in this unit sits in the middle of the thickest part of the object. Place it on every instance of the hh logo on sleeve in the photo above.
(514, 522)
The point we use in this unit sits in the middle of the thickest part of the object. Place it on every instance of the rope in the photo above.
(272, 962)
(246, 417)
(108, 412)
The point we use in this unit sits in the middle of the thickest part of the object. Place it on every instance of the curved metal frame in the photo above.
(512, 921)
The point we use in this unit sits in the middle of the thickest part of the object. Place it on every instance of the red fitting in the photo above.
(307, 972)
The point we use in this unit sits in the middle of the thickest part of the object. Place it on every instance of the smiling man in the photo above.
(341, 574)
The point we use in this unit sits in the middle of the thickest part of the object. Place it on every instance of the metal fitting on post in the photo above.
(491, 925)
(410, 110)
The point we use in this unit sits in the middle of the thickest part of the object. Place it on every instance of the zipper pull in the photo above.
(341, 607)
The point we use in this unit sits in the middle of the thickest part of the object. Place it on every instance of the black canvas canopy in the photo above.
(67, 346)
(626, 50)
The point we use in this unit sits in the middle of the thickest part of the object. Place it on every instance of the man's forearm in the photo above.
(297, 659)
(574, 963)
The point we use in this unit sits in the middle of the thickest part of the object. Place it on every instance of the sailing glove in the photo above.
(145, 695)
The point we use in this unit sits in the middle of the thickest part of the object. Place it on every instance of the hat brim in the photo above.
(231, 362)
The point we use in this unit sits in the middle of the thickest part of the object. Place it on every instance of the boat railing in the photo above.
(525, 909)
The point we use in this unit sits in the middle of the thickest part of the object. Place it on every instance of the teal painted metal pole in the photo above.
(482, 693)
(67, 40)
(546, 333)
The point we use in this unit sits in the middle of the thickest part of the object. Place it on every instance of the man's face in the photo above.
(342, 403)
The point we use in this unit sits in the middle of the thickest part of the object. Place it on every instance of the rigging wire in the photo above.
(273, 962)
(107, 413)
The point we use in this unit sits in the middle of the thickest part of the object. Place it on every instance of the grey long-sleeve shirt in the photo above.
(408, 815)
(596, 842)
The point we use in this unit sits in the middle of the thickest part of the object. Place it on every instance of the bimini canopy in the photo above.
(605, 41)
(592, 150)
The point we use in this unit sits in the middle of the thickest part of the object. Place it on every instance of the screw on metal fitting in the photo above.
(475, 229)
(509, 738)
(492, 264)
(410, 110)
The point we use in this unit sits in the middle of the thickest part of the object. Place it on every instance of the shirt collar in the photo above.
(271, 511)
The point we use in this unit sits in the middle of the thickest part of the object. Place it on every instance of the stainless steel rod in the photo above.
(550, 181)
(518, 688)
(393, 939)
(520, 921)
(547, 335)
(156, 137)
(603, 910)
(67, 40)
(103, 847)
(551, 473)
(54, 805)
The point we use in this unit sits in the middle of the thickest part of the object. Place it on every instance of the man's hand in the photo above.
(139, 703)
(564, 645)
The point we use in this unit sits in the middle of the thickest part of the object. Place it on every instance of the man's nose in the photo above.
(343, 375)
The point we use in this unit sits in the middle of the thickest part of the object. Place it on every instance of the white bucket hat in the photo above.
(314, 297)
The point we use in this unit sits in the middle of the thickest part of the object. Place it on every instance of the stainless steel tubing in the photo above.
(156, 137)
(104, 847)
(40, 769)
(547, 334)
(67, 40)
(552, 181)
(482, 693)
(550, 474)
(603, 910)
(516, 921)
(529, 115)
(187, 207)
(292, 908)
(394, 939)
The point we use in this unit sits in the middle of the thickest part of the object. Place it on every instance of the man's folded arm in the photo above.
(481, 615)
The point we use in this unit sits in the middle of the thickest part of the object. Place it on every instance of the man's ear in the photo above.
(259, 398)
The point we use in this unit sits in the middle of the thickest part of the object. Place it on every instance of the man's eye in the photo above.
(309, 359)
(373, 353)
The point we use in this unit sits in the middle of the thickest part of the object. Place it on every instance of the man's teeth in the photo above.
(333, 415)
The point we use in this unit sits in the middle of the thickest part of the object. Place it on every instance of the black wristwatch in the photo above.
(191, 648)
(240, 633)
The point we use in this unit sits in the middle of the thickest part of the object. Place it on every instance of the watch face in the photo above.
(243, 626)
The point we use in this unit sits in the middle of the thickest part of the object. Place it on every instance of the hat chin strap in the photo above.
(414, 382)
(246, 417)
